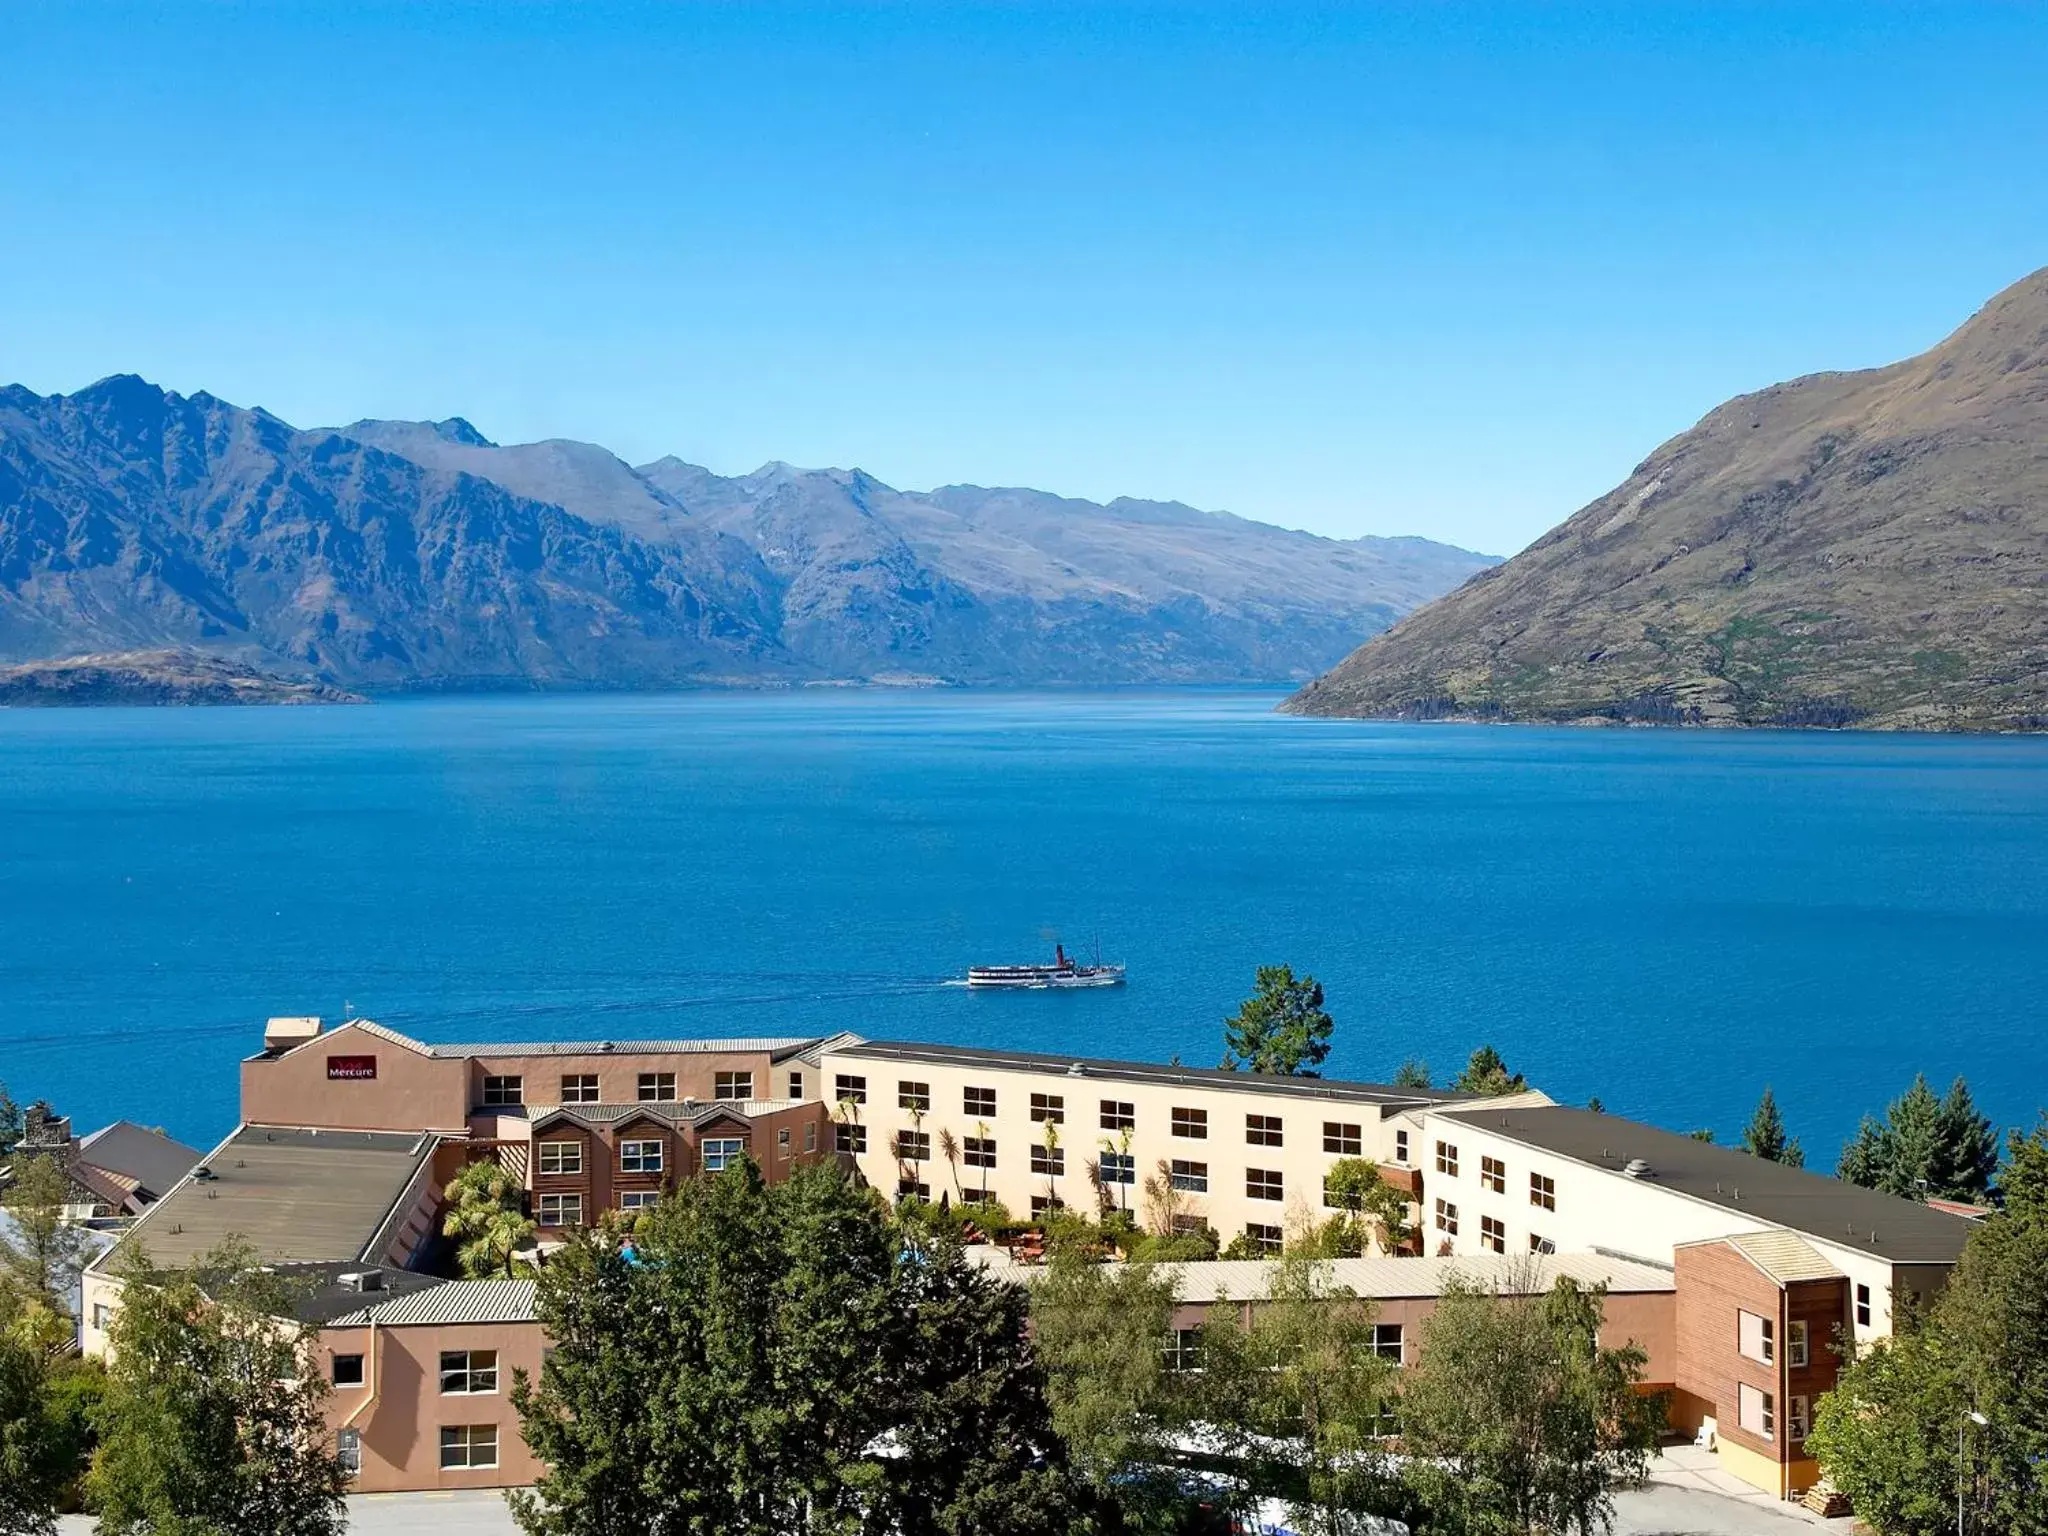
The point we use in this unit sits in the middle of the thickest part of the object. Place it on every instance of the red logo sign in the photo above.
(351, 1069)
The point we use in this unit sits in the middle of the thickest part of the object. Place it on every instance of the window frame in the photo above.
(1265, 1184)
(1049, 1108)
(1267, 1238)
(912, 1094)
(726, 1086)
(655, 1088)
(1446, 1216)
(639, 1199)
(1447, 1159)
(1343, 1139)
(731, 1148)
(1048, 1162)
(978, 1151)
(566, 1167)
(469, 1373)
(1389, 1334)
(1189, 1123)
(1264, 1131)
(850, 1140)
(636, 1150)
(978, 1102)
(1493, 1234)
(562, 1201)
(1865, 1307)
(1798, 1344)
(335, 1378)
(581, 1088)
(796, 1085)
(471, 1440)
(849, 1088)
(1188, 1176)
(1543, 1190)
(1182, 1349)
(1401, 1149)
(913, 1146)
(504, 1090)
(1118, 1167)
(1493, 1173)
(1766, 1416)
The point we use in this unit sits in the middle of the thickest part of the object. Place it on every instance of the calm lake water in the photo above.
(1666, 920)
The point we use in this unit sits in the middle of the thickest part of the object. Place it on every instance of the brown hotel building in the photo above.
(1737, 1277)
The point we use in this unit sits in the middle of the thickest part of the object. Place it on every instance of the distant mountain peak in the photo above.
(456, 430)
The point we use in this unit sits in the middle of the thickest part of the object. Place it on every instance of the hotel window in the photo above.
(913, 1189)
(1796, 1418)
(1191, 1124)
(639, 1157)
(1186, 1226)
(348, 1450)
(579, 1087)
(1795, 1347)
(1184, 1349)
(1541, 1244)
(500, 1091)
(347, 1371)
(468, 1372)
(1040, 1204)
(978, 1102)
(721, 1152)
(1493, 1234)
(1190, 1177)
(1543, 1191)
(810, 1136)
(1051, 1161)
(1862, 1306)
(639, 1199)
(561, 1157)
(850, 1090)
(468, 1447)
(1754, 1337)
(1386, 1341)
(1265, 1240)
(733, 1087)
(1401, 1148)
(1050, 1107)
(850, 1139)
(561, 1211)
(657, 1087)
(916, 1096)
(782, 1145)
(1118, 1115)
(1119, 1168)
(102, 1316)
(1262, 1184)
(1262, 1131)
(1342, 1139)
(914, 1146)
(1493, 1173)
(796, 1085)
(974, 1197)
(978, 1151)
(1447, 1158)
(1446, 1218)
(1756, 1411)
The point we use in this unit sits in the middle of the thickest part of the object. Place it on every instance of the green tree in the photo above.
(35, 1462)
(10, 1122)
(1412, 1073)
(1369, 1210)
(1890, 1432)
(2023, 1184)
(39, 1250)
(1302, 1400)
(1765, 1136)
(1518, 1420)
(213, 1421)
(1281, 1028)
(487, 1218)
(1925, 1147)
(1099, 1330)
(1486, 1073)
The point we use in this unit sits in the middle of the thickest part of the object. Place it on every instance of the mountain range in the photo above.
(393, 555)
(1865, 548)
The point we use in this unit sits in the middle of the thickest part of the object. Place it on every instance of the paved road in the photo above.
(1659, 1510)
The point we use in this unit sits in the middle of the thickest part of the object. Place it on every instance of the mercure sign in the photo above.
(351, 1069)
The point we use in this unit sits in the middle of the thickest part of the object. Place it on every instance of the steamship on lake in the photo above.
(1065, 971)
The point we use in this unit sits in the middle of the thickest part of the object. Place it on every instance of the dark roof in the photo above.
(1824, 1209)
(297, 1196)
(325, 1298)
(150, 1158)
(453, 1301)
(1382, 1094)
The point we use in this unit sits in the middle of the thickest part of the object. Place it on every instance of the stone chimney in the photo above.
(44, 1130)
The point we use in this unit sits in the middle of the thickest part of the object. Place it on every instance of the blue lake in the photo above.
(1666, 920)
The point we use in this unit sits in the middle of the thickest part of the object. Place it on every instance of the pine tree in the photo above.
(1867, 1154)
(1766, 1136)
(42, 1252)
(1281, 1028)
(1412, 1073)
(1486, 1073)
(1966, 1148)
(2023, 1184)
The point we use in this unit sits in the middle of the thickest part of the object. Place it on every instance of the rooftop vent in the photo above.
(284, 1032)
(203, 1173)
(1077, 1070)
(1636, 1168)
(363, 1280)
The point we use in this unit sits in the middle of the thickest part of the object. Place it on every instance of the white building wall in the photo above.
(1301, 1159)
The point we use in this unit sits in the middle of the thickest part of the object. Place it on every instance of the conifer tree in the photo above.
(1966, 1148)
(1281, 1028)
(1412, 1073)
(2023, 1185)
(1766, 1136)
(1488, 1074)
(1925, 1147)
(42, 1252)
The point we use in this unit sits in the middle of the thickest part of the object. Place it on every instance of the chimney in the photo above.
(43, 1129)
(284, 1032)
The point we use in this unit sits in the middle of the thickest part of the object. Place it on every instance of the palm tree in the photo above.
(1052, 1146)
(487, 1217)
(949, 1149)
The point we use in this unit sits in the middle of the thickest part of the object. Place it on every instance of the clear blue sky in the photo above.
(1438, 269)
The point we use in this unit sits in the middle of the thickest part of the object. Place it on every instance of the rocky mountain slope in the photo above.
(1863, 548)
(156, 677)
(421, 555)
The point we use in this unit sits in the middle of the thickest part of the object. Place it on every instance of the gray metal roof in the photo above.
(147, 1156)
(296, 1196)
(455, 1301)
(1104, 1069)
(773, 1046)
(1824, 1209)
(674, 1111)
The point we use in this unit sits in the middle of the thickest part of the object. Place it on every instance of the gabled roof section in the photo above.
(670, 1112)
(455, 1301)
(813, 1053)
(1784, 1256)
(148, 1157)
(368, 1027)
